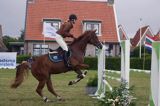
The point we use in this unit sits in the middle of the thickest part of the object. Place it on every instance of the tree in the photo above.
(7, 39)
(21, 38)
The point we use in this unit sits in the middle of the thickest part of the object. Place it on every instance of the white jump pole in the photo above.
(101, 74)
(125, 61)
(155, 75)
(125, 66)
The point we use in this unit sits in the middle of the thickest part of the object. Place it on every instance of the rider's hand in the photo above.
(72, 36)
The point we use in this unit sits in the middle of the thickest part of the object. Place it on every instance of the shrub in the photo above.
(92, 62)
(135, 52)
(114, 63)
(21, 58)
(93, 81)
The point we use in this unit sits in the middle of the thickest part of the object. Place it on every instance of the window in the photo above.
(39, 49)
(92, 25)
(44, 49)
(31, 1)
(54, 22)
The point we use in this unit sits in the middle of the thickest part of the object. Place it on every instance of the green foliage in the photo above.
(114, 63)
(7, 39)
(135, 52)
(119, 96)
(21, 58)
(93, 81)
(137, 63)
(21, 38)
(92, 62)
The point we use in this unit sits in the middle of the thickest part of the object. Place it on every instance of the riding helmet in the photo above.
(72, 17)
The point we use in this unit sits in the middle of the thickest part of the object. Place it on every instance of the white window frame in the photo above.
(53, 21)
(98, 23)
(31, 1)
(40, 49)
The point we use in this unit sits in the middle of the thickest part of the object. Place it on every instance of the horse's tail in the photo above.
(22, 71)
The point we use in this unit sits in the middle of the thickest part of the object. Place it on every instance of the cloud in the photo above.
(12, 16)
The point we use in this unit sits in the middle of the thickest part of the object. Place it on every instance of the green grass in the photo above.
(74, 95)
(25, 95)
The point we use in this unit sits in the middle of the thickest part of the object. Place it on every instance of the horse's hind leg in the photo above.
(39, 89)
(50, 89)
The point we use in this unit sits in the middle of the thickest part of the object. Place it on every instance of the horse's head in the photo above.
(93, 39)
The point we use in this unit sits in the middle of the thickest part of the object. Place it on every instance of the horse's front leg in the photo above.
(80, 76)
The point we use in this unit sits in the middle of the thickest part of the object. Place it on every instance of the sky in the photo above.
(128, 12)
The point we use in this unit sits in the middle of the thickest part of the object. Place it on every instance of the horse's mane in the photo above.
(81, 36)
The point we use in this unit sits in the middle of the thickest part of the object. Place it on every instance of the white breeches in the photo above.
(61, 42)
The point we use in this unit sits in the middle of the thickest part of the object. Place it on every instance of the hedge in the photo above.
(113, 63)
(21, 58)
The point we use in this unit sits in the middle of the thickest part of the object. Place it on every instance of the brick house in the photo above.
(140, 36)
(157, 36)
(91, 15)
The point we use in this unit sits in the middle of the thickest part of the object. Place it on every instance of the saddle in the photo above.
(60, 55)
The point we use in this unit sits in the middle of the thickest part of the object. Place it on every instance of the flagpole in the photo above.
(140, 41)
(144, 58)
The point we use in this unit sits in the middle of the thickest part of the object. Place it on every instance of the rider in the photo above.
(64, 31)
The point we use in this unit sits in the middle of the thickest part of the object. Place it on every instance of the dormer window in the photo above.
(92, 25)
(31, 1)
(54, 22)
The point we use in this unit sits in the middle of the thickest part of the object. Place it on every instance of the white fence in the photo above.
(125, 68)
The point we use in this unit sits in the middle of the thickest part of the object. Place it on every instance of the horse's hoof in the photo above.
(70, 83)
(46, 99)
(85, 72)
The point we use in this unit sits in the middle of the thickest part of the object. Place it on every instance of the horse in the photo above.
(42, 68)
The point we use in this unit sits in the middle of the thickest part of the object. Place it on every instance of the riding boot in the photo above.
(66, 58)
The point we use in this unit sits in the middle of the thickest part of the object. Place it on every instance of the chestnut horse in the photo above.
(42, 67)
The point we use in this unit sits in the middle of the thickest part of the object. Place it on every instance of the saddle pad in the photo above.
(55, 57)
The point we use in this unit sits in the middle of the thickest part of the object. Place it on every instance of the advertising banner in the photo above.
(8, 60)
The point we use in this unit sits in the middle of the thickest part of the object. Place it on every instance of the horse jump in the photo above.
(155, 75)
(155, 71)
(125, 66)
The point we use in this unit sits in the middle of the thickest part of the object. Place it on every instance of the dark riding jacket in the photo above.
(64, 30)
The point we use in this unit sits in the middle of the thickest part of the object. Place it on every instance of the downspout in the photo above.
(25, 43)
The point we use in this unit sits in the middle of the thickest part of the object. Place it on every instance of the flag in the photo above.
(48, 30)
(148, 42)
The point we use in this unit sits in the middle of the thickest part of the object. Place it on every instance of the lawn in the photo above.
(74, 95)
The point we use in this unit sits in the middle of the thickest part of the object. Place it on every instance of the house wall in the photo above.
(90, 51)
